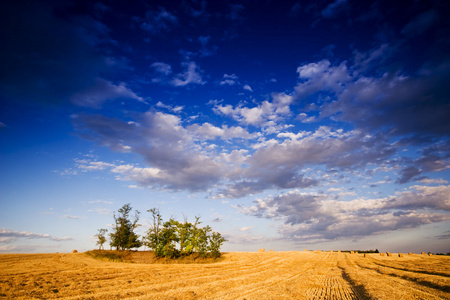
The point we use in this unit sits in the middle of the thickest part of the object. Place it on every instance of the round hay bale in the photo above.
(423, 253)
(400, 255)
(352, 252)
(388, 253)
(262, 250)
(331, 251)
(430, 254)
(75, 251)
(381, 254)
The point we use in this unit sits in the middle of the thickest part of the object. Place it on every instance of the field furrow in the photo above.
(380, 285)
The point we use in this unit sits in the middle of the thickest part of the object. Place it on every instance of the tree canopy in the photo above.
(166, 238)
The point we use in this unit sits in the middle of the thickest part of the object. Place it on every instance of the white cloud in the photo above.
(102, 91)
(259, 115)
(208, 131)
(86, 165)
(175, 109)
(437, 181)
(247, 88)
(163, 68)
(245, 228)
(312, 216)
(70, 217)
(321, 76)
(192, 75)
(12, 234)
(229, 79)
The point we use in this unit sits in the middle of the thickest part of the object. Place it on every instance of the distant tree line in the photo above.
(362, 251)
(170, 239)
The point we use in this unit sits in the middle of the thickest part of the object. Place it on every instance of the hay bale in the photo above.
(331, 251)
(75, 251)
(423, 253)
(381, 254)
(400, 255)
(262, 250)
(366, 255)
(339, 251)
(430, 254)
(388, 253)
(271, 250)
(352, 252)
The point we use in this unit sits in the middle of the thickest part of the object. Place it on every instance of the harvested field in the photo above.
(238, 275)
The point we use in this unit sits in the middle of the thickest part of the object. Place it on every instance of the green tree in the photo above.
(185, 237)
(101, 238)
(202, 240)
(164, 237)
(215, 242)
(152, 239)
(123, 235)
(168, 240)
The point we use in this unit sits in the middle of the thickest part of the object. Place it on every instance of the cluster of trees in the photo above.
(167, 239)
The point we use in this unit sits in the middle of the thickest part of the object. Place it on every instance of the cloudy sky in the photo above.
(282, 124)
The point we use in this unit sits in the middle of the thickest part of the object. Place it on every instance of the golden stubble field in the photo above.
(239, 275)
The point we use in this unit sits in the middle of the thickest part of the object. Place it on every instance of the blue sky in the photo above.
(283, 125)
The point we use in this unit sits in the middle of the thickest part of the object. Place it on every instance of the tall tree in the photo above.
(123, 235)
(215, 242)
(153, 236)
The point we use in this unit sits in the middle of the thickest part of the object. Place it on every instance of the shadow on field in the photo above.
(423, 282)
(359, 289)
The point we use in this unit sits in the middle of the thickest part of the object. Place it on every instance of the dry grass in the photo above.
(264, 275)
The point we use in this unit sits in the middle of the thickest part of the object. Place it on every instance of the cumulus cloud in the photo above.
(12, 235)
(321, 76)
(174, 160)
(385, 103)
(260, 115)
(185, 157)
(207, 131)
(192, 75)
(312, 216)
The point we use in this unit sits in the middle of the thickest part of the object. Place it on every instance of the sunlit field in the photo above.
(237, 275)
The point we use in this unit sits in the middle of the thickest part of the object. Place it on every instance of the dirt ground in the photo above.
(238, 275)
